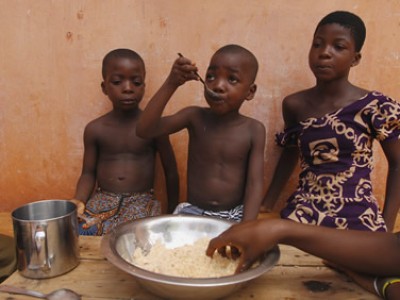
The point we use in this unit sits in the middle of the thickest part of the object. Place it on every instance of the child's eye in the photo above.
(138, 83)
(116, 82)
(233, 79)
(316, 45)
(210, 77)
(340, 47)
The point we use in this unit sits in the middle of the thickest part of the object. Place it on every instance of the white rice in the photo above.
(187, 261)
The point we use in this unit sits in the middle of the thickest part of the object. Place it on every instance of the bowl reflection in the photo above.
(174, 231)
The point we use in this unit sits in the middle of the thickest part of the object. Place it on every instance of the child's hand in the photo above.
(246, 240)
(79, 205)
(182, 70)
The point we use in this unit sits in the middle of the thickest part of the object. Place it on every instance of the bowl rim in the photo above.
(268, 262)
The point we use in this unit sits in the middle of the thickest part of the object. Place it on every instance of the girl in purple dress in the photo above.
(331, 128)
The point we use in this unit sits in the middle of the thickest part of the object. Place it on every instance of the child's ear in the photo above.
(356, 60)
(251, 92)
(103, 88)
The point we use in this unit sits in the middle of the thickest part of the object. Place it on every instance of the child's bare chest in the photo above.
(221, 143)
(115, 140)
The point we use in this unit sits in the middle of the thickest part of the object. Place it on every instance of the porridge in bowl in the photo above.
(174, 231)
(188, 261)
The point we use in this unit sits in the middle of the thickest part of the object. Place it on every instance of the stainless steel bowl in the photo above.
(174, 231)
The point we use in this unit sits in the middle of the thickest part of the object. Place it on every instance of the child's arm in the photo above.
(255, 174)
(392, 198)
(168, 162)
(87, 180)
(288, 158)
(150, 123)
(286, 164)
(346, 248)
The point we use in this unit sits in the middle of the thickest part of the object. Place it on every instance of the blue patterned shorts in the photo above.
(105, 210)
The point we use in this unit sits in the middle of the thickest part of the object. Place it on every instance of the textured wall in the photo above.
(51, 52)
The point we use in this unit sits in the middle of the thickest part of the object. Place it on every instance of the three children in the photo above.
(331, 126)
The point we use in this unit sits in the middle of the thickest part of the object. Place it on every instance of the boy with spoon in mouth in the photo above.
(226, 149)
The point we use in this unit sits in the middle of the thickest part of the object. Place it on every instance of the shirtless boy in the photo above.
(226, 149)
(118, 162)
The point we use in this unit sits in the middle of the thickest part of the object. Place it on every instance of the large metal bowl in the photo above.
(174, 231)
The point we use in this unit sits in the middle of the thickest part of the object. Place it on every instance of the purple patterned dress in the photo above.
(334, 188)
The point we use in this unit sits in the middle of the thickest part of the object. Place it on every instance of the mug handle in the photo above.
(40, 250)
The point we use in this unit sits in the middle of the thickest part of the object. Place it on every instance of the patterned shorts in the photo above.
(105, 210)
(234, 214)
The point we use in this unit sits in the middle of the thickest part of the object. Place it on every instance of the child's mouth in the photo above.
(128, 101)
(217, 100)
(213, 95)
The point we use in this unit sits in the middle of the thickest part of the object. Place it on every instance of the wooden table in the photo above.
(297, 275)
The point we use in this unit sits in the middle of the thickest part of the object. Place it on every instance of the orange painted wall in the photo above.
(51, 52)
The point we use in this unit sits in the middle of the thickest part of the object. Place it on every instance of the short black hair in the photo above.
(233, 48)
(347, 20)
(119, 53)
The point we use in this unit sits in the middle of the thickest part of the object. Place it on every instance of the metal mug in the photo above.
(47, 238)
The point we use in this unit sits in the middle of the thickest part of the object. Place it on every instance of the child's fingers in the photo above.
(185, 65)
(244, 264)
(80, 206)
(184, 60)
(235, 253)
(216, 244)
(225, 250)
(189, 71)
(183, 73)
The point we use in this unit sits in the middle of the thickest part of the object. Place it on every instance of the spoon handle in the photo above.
(21, 291)
(197, 74)
(209, 91)
(89, 221)
(201, 79)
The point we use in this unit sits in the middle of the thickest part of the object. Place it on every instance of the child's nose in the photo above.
(217, 85)
(128, 86)
(326, 51)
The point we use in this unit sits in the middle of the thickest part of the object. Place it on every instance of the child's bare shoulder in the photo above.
(196, 113)
(253, 123)
(296, 99)
(193, 110)
(255, 127)
(294, 106)
(96, 124)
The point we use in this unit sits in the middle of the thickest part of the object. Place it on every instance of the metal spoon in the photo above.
(60, 294)
(89, 221)
(209, 91)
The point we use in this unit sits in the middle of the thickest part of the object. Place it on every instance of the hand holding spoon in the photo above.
(209, 91)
